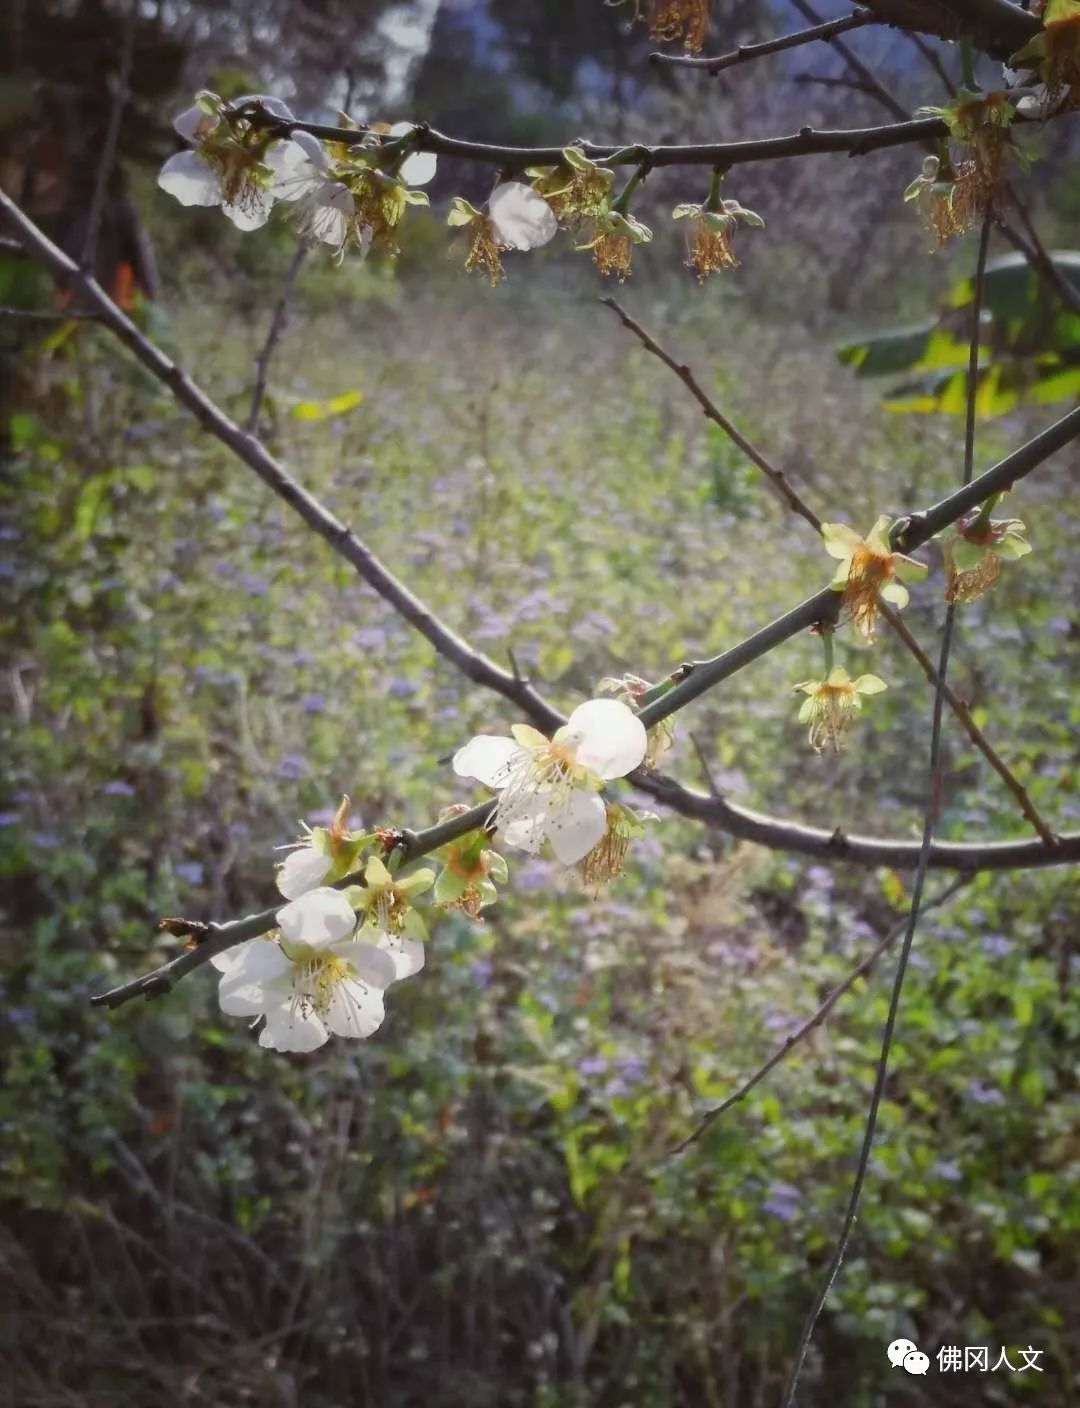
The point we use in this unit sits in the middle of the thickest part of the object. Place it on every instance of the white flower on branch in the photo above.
(549, 789)
(316, 980)
(229, 164)
(302, 871)
(325, 206)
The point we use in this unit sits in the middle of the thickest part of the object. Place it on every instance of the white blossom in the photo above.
(325, 206)
(302, 871)
(226, 171)
(550, 789)
(316, 980)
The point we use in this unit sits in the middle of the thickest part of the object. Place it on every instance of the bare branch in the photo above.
(996, 27)
(789, 1043)
(746, 53)
(107, 157)
(789, 496)
(277, 327)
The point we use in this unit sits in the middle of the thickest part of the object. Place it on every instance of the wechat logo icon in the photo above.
(906, 1355)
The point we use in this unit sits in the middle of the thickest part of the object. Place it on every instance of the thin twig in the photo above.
(746, 53)
(869, 78)
(933, 807)
(107, 159)
(1035, 252)
(48, 315)
(789, 1043)
(277, 327)
(794, 501)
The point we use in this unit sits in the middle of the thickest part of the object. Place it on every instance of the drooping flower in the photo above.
(386, 903)
(979, 123)
(672, 20)
(869, 569)
(974, 551)
(315, 980)
(613, 234)
(832, 705)
(575, 189)
(549, 789)
(935, 195)
(232, 163)
(471, 870)
(605, 861)
(710, 244)
(1055, 52)
(516, 218)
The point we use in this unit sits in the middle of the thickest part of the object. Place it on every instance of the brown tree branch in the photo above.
(995, 27)
(747, 53)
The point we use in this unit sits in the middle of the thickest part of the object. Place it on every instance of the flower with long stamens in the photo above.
(974, 551)
(832, 705)
(314, 980)
(613, 235)
(605, 861)
(869, 569)
(324, 204)
(1055, 52)
(231, 163)
(935, 194)
(516, 218)
(549, 789)
(575, 189)
(713, 225)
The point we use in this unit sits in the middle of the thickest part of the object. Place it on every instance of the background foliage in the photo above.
(476, 1206)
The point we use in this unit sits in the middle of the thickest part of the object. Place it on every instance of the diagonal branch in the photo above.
(765, 830)
(789, 496)
(872, 84)
(784, 1050)
(746, 53)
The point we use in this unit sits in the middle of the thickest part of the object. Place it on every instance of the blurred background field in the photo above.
(475, 1207)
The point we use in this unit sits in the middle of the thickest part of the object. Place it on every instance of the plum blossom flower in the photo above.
(230, 163)
(322, 854)
(575, 189)
(324, 205)
(868, 569)
(1055, 52)
(713, 225)
(315, 980)
(832, 705)
(605, 861)
(549, 788)
(631, 689)
(614, 233)
(516, 218)
(975, 550)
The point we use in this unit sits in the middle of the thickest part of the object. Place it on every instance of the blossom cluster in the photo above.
(353, 191)
(352, 927)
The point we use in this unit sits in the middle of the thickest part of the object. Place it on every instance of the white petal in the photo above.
(576, 826)
(525, 832)
(190, 122)
(355, 1010)
(522, 219)
(294, 172)
(190, 180)
(407, 955)
(242, 991)
(302, 871)
(418, 169)
(371, 964)
(329, 212)
(320, 917)
(289, 1029)
(254, 212)
(488, 759)
(609, 738)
